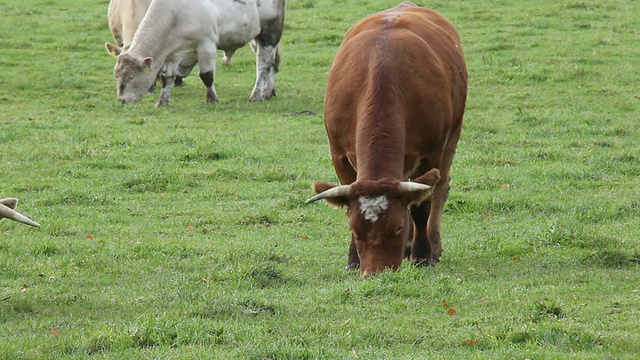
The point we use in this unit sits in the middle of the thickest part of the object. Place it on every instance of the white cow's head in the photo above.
(7, 210)
(133, 74)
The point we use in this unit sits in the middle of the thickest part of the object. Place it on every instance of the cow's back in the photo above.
(124, 18)
(402, 67)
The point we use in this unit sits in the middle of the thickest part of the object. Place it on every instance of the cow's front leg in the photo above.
(207, 80)
(267, 59)
(165, 94)
(354, 260)
(438, 200)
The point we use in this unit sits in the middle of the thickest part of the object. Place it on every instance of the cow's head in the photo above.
(7, 210)
(133, 74)
(378, 216)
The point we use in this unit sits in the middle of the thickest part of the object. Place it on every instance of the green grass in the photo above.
(180, 233)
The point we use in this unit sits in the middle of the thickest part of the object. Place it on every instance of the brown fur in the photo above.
(393, 110)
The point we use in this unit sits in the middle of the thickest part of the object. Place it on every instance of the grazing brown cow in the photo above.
(7, 210)
(393, 111)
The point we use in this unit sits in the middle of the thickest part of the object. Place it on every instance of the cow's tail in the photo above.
(276, 59)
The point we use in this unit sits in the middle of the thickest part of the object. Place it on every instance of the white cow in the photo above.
(124, 18)
(7, 210)
(174, 35)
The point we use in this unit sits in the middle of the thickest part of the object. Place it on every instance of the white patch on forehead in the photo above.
(372, 207)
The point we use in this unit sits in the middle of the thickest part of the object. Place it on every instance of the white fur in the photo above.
(176, 34)
(372, 207)
(124, 18)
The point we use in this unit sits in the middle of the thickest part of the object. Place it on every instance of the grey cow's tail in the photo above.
(276, 59)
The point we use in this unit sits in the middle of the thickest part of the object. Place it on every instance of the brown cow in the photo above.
(393, 111)
(7, 210)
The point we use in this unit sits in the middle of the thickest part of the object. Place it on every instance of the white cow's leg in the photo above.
(266, 67)
(207, 61)
(207, 80)
(165, 94)
(228, 54)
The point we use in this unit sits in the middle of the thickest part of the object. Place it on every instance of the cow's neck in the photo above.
(152, 39)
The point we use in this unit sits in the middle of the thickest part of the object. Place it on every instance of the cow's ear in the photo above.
(430, 178)
(418, 194)
(112, 49)
(337, 201)
(11, 203)
(146, 63)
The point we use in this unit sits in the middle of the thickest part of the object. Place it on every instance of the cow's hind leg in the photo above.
(266, 68)
(267, 57)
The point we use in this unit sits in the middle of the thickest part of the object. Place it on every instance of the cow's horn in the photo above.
(7, 212)
(410, 186)
(340, 190)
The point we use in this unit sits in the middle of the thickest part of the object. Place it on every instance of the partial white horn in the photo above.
(7, 212)
(341, 190)
(410, 186)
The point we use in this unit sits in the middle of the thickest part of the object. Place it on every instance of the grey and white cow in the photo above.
(7, 210)
(174, 35)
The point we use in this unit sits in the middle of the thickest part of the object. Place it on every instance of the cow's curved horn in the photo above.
(336, 191)
(410, 186)
(7, 212)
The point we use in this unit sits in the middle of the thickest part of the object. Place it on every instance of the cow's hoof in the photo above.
(424, 262)
(352, 266)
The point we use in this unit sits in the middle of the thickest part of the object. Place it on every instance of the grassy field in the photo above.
(180, 233)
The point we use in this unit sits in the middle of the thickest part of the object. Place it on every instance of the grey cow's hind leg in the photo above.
(264, 88)
(268, 56)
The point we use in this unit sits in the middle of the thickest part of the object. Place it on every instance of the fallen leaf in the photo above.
(504, 288)
(346, 322)
(54, 332)
(451, 311)
(505, 186)
(516, 258)
(490, 217)
(189, 228)
(484, 299)
(89, 236)
(444, 302)
(469, 342)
